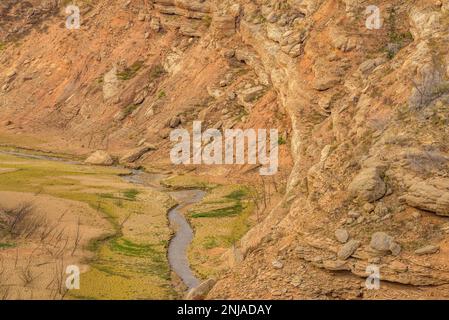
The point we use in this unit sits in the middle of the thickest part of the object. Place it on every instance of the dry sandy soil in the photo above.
(35, 265)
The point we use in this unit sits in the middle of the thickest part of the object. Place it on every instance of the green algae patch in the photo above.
(130, 260)
(219, 221)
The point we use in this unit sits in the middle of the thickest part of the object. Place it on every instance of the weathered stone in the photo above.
(140, 97)
(430, 195)
(348, 249)
(354, 214)
(137, 153)
(381, 209)
(174, 122)
(427, 250)
(368, 185)
(398, 266)
(251, 94)
(323, 84)
(342, 235)
(200, 292)
(100, 158)
(369, 65)
(110, 84)
(368, 207)
(277, 264)
(336, 265)
(381, 241)
(155, 24)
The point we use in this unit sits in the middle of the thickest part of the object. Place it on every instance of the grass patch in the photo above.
(218, 213)
(237, 194)
(130, 260)
(130, 72)
(156, 72)
(7, 245)
(161, 94)
(129, 109)
(185, 182)
(282, 141)
(131, 194)
(219, 221)
(129, 248)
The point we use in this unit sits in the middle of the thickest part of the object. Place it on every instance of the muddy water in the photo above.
(177, 249)
(183, 232)
(179, 244)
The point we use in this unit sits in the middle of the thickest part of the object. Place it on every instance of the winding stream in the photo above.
(179, 244)
(183, 233)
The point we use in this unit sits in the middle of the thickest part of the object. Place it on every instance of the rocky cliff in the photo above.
(364, 112)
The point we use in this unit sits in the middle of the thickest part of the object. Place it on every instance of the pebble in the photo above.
(342, 235)
(427, 250)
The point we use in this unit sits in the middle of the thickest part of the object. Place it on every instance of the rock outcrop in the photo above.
(100, 158)
(363, 114)
(430, 195)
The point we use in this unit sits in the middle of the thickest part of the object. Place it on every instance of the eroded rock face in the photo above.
(430, 195)
(200, 292)
(348, 99)
(110, 84)
(136, 154)
(101, 158)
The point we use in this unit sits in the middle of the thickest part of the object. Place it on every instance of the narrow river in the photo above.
(183, 233)
(179, 244)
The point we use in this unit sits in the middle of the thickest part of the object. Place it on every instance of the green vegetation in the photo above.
(220, 220)
(131, 194)
(207, 20)
(161, 94)
(221, 212)
(183, 182)
(6, 245)
(129, 109)
(397, 39)
(130, 72)
(156, 72)
(282, 141)
(129, 262)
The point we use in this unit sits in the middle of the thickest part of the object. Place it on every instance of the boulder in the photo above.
(348, 249)
(368, 185)
(430, 195)
(200, 292)
(381, 241)
(137, 153)
(100, 158)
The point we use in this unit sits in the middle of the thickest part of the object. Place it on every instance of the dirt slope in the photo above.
(364, 114)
